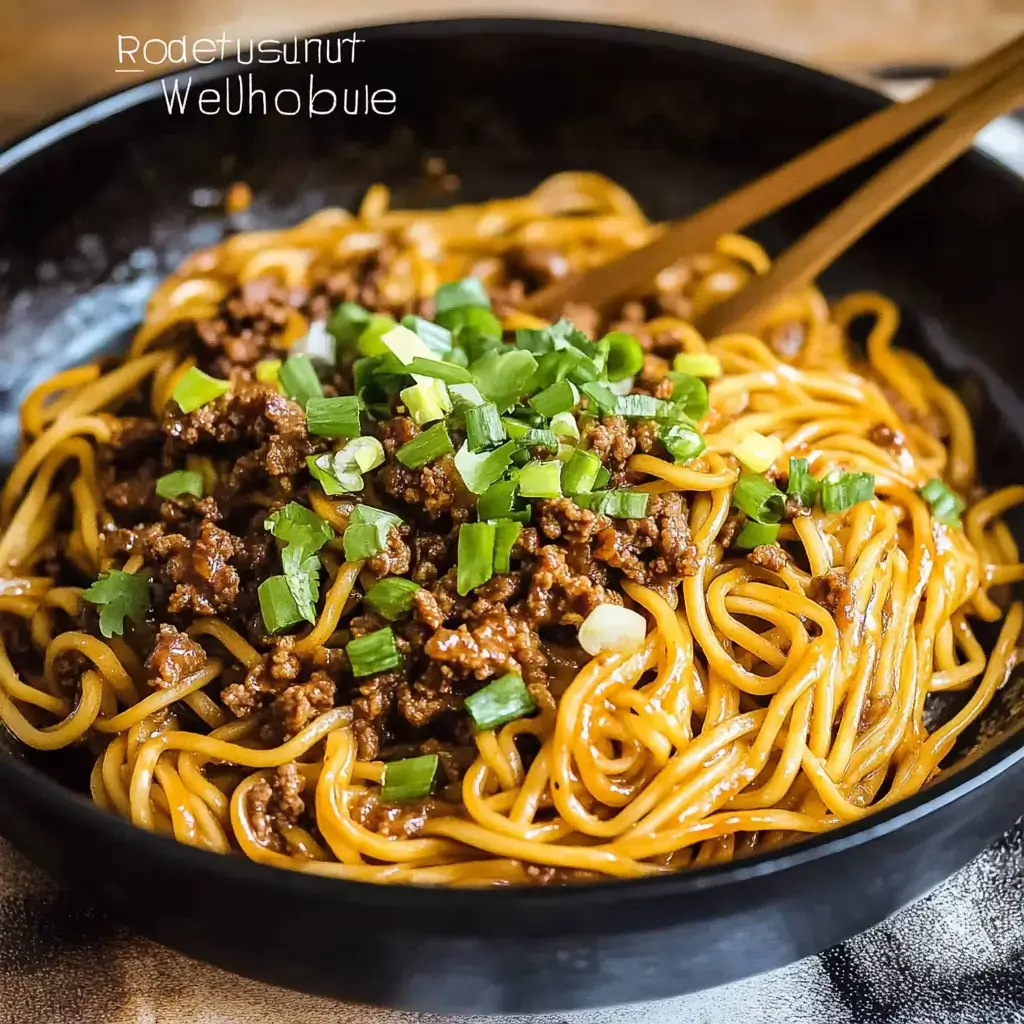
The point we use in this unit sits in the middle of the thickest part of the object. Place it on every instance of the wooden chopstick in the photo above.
(804, 260)
(629, 274)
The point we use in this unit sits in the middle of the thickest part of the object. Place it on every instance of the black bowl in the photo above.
(96, 207)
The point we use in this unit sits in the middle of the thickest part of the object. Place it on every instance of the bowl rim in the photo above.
(410, 901)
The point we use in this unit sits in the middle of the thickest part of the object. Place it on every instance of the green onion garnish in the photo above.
(534, 438)
(503, 377)
(565, 425)
(373, 653)
(277, 605)
(945, 503)
(625, 355)
(437, 338)
(475, 330)
(476, 555)
(541, 479)
(440, 370)
(333, 417)
(181, 481)
(682, 441)
(759, 499)
(363, 453)
(689, 395)
(754, 534)
(267, 371)
(349, 321)
(840, 491)
(369, 342)
(465, 397)
(467, 292)
(299, 380)
(299, 527)
(504, 700)
(119, 595)
(484, 428)
(603, 476)
(499, 502)
(515, 428)
(391, 597)
(616, 504)
(601, 396)
(802, 486)
(479, 471)
(426, 447)
(323, 469)
(196, 389)
(645, 407)
(506, 533)
(409, 779)
(580, 473)
(697, 364)
(560, 397)
(427, 401)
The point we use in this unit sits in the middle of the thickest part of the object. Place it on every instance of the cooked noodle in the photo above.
(756, 712)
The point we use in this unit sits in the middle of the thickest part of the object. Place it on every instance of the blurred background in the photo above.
(54, 54)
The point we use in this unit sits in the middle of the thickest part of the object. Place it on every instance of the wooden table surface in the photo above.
(54, 54)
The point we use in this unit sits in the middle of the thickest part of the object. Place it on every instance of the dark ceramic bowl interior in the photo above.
(95, 210)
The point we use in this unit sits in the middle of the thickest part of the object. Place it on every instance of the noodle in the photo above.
(775, 695)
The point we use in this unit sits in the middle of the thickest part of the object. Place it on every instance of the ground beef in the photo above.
(279, 801)
(560, 596)
(832, 591)
(487, 650)
(436, 488)
(300, 703)
(395, 821)
(560, 518)
(175, 656)
(396, 558)
(769, 556)
(612, 441)
(200, 572)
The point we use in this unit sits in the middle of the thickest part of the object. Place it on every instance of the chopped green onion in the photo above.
(333, 417)
(427, 401)
(426, 447)
(364, 453)
(267, 371)
(181, 481)
(499, 501)
(318, 345)
(625, 355)
(541, 479)
(945, 504)
(479, 471)
(757, 452)
(299, 380)
(643, 407)
(322, 469)
(484, 428)
(440, 370)
(465, 397)
(277, 605)
(516, 428)
(475, 330)
(601, 396)
(759, 499)
(560, 397)
(616, 504)
(565, 425)
(391, 597)
(467, 292)
(840, 491)
(409, 779)
(370, 342)
(299, 527)
(534, 438)
(697, 364)
(689, 395)
(476, 556)
(196, 389)
(506, 533)
(504, 700)
(373, 653)
(682, 441)
(610, 627)
(603, 476)
(405, 345)
(802, 486)
(753, 534)
(503, 377)
(348, 322)
(580, 473)
(437, 338)
(119, 595)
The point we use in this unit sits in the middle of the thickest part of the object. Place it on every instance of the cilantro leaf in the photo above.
(303, 578)
(119, 595)
(299, 526)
